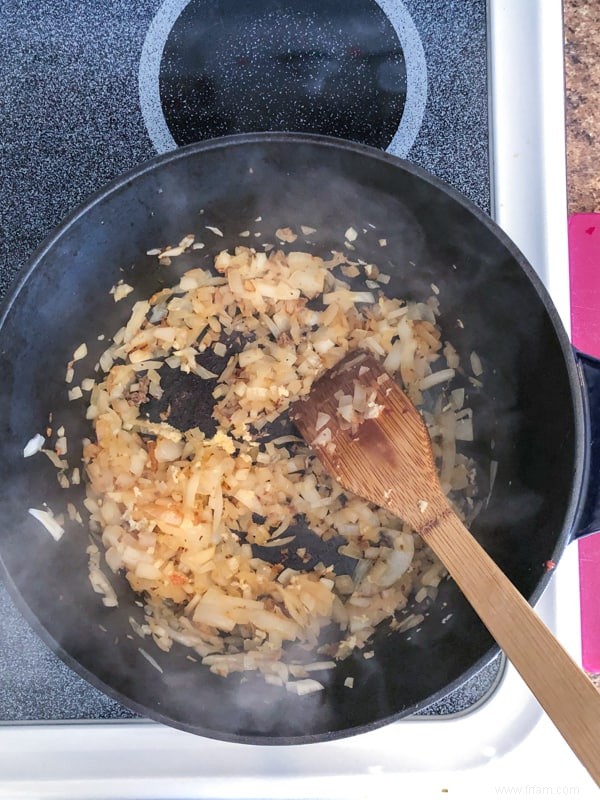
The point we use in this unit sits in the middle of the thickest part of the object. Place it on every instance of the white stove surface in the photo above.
(506, 746)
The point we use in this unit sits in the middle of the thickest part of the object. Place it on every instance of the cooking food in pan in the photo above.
(185, 505)
(532, 442)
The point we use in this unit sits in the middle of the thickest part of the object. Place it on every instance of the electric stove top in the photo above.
(468, 90)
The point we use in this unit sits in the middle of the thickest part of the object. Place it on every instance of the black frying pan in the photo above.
(532, 408)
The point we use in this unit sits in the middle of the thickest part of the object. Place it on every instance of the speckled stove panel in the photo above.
(71, 118)
(231, 66)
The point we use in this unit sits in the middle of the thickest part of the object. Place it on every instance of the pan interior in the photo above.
(524, 417)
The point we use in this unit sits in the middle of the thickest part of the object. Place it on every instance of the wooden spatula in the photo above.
(382, 452)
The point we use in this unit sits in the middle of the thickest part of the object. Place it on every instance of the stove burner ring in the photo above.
(398, 142)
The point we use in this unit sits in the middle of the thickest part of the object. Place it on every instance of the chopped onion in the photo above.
(101, 585)
(322, 420)
(286, 235)
(152, 661)
(399, 559)
(305, 686)
(476, 366)
(317, 666)
(33, 446)
(48, 521)
(493, 474)
(441, 376)
(120, 291)
(204, 373)
(322, 438)
(457, 398)
(170, 505)
(168, 450)
(464, 430)
(80, 352)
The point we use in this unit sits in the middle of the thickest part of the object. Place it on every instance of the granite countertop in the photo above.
(582, 72)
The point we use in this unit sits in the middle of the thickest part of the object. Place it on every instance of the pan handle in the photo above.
(589, 516)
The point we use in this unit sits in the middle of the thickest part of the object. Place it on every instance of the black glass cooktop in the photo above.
(306, 65)
(89, 90)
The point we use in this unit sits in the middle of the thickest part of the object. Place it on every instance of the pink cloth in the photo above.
(584, 262)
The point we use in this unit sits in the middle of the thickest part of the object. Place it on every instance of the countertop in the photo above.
(582, 74)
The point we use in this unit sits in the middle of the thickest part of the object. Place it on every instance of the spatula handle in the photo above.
(561, 687)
